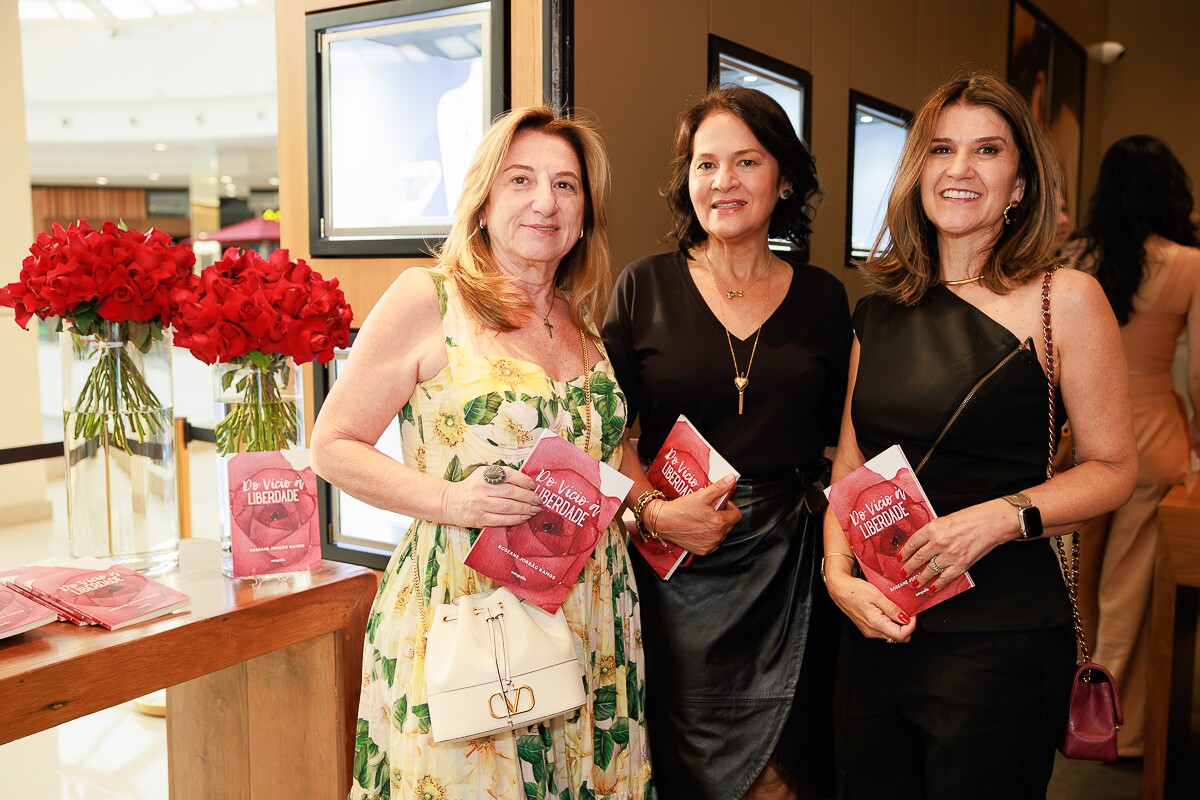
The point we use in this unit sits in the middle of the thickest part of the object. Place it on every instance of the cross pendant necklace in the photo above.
(546, 319)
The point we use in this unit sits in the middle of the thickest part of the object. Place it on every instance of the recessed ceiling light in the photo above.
(273, 181)
(866, 119)
(153, 176)
(230, 189)
(749, 78)
(160, 146)
(226, 179)
(212, 181)
(103, 181)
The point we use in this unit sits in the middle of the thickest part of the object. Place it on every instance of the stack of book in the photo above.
(89, 592)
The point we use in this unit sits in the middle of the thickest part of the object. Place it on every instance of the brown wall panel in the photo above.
(64, 204)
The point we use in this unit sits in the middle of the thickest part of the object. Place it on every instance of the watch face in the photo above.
(1031, 522)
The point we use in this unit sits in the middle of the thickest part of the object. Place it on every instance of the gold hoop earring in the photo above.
(1010, 212)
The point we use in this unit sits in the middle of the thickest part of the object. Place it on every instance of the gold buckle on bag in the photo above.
(514, 706)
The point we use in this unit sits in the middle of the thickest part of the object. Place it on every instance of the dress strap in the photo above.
(454, 326)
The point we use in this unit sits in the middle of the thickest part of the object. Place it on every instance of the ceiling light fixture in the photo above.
(103, 181)
(160, 146)
(749, 78)
(153, 176)
(866, 119)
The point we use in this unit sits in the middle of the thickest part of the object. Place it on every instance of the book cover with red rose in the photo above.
(685, 463)
(19, 613)
(96, 592)
(274, 525)
(540, 559)
(879, 506)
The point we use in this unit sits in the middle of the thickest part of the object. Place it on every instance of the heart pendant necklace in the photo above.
(742, 379)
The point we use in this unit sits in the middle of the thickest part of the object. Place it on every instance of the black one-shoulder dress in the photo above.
(974, 705)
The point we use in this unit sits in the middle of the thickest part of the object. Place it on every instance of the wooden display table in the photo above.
(1173, 616)
(262, 682)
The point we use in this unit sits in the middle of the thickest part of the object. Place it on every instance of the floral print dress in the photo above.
(486, 410)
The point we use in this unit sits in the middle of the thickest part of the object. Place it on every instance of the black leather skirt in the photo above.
(740, 649)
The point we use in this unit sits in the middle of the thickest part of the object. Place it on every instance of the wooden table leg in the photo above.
(272, 727)
(1158, 692)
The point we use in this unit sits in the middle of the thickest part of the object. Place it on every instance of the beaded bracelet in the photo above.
(643, 500)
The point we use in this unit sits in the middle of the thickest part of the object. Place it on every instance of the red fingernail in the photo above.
(900, 557)
(903, 618)
(916, 582)
(932, 588)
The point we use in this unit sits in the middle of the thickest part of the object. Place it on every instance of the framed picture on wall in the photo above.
(1050, 68)
(878, 131)
(399, 95)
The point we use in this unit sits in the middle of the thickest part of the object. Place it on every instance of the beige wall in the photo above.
(896, 50)
(637, 64)
(22, 486)
(1155, 88)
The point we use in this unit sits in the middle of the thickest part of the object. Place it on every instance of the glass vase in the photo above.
(119, 441)
(259, 408)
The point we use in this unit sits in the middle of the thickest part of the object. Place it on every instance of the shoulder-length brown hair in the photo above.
(908, 266)
(585, 272)
(766, 119)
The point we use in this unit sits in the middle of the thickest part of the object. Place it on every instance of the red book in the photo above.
(95, 592)
(540, 559)
(685, 463)
(273, 522)
(879, 505)
(18, 613)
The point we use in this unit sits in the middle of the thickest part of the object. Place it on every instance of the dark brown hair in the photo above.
(766, 119)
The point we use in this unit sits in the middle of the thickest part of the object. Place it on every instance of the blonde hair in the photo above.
(908, 266)
(584, 274)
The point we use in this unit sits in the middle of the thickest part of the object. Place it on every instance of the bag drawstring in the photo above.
(503, 675)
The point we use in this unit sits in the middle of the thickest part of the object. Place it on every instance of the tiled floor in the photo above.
(115, 754)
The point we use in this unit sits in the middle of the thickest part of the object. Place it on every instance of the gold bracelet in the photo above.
(654, 519)
(643, 500)
(835, 553)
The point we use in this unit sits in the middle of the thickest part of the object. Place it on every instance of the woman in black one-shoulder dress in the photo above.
(969, 698)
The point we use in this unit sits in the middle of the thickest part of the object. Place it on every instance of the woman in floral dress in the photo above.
(478, 357)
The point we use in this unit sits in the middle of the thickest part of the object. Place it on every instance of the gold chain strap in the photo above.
(587, 446)
(1070, 571)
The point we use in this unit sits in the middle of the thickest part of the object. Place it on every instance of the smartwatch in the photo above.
(1027, 514)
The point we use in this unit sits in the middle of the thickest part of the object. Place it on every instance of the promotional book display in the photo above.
(273, 520)
(685, 463)
(879, 506)
(539, 560)
(17, 612)
(90, 591)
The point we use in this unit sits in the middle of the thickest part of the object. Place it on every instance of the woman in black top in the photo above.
(753, 350)
(970, 699)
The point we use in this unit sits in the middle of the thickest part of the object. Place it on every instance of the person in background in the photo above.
(970, 699)
(478, 357)
(1141, 244)
(753, 350)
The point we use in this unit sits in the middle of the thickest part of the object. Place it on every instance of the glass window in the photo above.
(878, 131)
(355, 531)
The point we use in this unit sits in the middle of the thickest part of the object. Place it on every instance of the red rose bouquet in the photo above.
(256, 314)
(116, 284)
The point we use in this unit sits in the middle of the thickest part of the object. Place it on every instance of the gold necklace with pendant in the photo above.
(740, 379)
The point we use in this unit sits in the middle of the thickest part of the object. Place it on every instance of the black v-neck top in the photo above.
(916, 366)
(671, 357)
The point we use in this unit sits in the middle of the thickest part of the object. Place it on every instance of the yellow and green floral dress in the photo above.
(486, 410)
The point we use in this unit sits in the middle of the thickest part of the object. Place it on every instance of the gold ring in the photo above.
(933, 565)
(889, 641)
